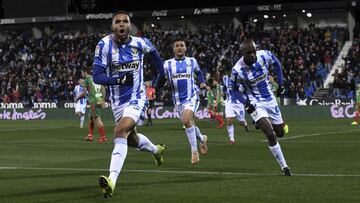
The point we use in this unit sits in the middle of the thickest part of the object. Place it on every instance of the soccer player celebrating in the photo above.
(80, 105)
(118, 63)
(180, 71)
(233, 109)
(357, 105)
(252, 72)
(96, 95)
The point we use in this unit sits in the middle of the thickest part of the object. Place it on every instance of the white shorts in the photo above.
(268, 109)
(234, 110)
(80, 108)
(134, 109)
(192, 105)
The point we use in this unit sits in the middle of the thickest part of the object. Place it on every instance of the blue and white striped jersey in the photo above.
(180, 74)
(228, 84)
(126, 62)
(78, 90)
(255, 78)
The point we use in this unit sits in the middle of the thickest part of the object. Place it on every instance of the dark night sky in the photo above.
(106, 6)
(133, 5)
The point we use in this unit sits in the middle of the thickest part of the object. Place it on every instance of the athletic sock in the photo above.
(198, 134)
(276, 151)
(357, 116)
(102, 132)
(145, 144)
(149, 118)
(219, 119)
(230, 129)
(190, 132)
(91, 128)
(82, 119)
(118, 158)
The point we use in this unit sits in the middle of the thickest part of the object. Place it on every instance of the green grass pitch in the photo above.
(48, 161)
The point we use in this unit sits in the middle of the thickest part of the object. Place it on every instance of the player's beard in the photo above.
(122, 35)
(250, 60)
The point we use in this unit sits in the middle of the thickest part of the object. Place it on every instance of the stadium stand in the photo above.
(44, 67)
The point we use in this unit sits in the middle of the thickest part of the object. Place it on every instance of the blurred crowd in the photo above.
(307, 55)
(45, 67)
(346, 80)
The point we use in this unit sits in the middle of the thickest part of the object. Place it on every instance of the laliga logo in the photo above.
(342, 112)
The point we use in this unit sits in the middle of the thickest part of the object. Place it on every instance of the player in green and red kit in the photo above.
(96, 94)
(210, 103)
(219, 104)
(357, 106)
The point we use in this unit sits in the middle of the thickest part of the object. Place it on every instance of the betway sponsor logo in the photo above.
(127, 66)
(206, 11)
(99, 16)
(159, 13)
(181, 76)
(258, 79)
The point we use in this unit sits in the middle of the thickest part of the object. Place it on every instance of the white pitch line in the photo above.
(182, 172)
(22, 129)
(314, 134)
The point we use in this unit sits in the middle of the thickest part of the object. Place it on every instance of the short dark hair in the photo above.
(88, 69)
(245, 43)
(120, 12)
(178, 39)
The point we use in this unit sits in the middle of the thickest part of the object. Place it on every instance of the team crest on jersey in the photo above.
(97, 50)
(134, 50)
(188, 63)
(261, 63)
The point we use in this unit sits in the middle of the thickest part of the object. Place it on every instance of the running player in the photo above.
(180, 72)
(252, 72)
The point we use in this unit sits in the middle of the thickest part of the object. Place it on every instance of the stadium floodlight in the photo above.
(266, 16)
(303, 11)
(309, 15)
(255, 20)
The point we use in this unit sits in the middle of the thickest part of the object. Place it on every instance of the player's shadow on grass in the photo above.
(183, 179)
(49, 176)
(85, 189)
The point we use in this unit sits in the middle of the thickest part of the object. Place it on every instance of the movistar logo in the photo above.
(258, 79)
(181, 76)
(127, 66)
